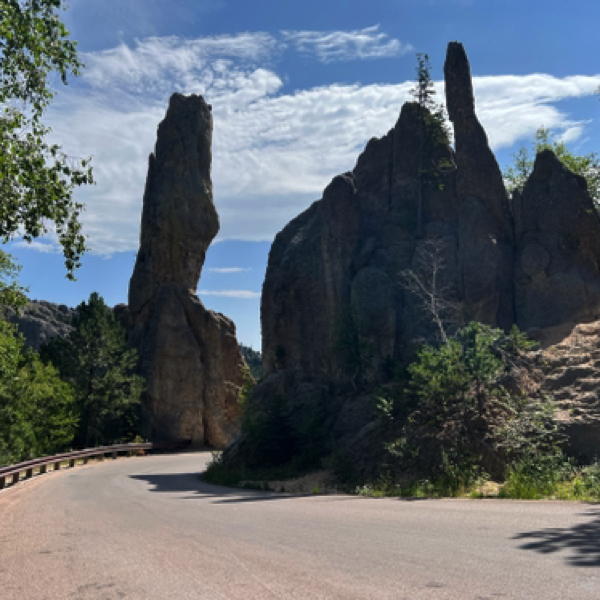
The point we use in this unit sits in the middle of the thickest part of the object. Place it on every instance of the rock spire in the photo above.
(189, 355)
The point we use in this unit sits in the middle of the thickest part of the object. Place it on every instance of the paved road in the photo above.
(148, 528)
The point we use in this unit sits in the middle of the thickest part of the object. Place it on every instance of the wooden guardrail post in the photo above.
(43, 469)
(57, 466)
(29, 473)
(2, 482)
(72, 462)
(15, 478)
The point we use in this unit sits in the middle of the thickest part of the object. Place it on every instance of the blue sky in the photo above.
(297, 90)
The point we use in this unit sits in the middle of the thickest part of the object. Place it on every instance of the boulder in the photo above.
(189, 355)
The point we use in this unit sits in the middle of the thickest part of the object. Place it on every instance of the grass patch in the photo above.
(546, 478)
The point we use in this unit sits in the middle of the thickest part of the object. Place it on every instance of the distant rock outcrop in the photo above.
(189, 355)
(40, 321)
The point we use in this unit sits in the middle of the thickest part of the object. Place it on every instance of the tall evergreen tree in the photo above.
(95, 360)
(437, 132)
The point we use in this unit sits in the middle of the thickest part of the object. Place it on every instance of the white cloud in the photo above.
(244, 294)
(273, 152)
(513, 107)
(330, 46)
(229, 269)
(46, 248)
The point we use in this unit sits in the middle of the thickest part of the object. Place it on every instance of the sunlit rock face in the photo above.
(189, 355)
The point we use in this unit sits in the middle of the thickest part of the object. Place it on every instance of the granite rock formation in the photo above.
(334, 278)
(535, 262)
(557, 248)
(189, 355)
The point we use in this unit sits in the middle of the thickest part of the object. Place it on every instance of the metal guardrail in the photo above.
(14, 472)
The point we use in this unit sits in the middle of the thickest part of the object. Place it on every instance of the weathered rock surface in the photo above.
(40, 321)
(569, 372)
(189, 355)
(557, 266)
(348, 250)
(334, 278)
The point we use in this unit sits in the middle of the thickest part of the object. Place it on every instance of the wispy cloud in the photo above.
(273, 152)
(46, 248)
(330, 46)
(244, 294)
(229, 269)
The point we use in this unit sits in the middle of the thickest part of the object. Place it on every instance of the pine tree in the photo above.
(437, 132)
(95, 360)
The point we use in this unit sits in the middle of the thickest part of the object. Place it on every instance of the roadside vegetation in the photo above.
(79, 391)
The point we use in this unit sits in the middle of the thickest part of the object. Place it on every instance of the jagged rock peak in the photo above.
(179, 220)
(479, 175)
(460, 100)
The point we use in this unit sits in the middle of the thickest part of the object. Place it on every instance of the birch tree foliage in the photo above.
(37, 178)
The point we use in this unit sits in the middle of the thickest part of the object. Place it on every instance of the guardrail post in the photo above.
(115, 455)
(2, 482)
(57, 466)
(15, 478)
(43, 469)
(72, 463)
(85, 460)
(29, 473)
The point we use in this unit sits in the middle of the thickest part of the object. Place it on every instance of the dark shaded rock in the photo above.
(336, 306)
(485, 231)
(189, 355)
(557, 234)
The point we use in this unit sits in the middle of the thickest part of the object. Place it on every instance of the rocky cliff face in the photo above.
(335, 274)
(535, 264)
(189, 355)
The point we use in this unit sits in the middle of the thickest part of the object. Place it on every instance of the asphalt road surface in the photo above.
(148, 528)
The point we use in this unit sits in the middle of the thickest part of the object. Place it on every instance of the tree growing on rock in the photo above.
(437, 133)
(588, 165)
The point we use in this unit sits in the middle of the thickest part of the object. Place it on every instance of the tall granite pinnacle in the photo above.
(485, 229)
(189, 355)
(179, 219)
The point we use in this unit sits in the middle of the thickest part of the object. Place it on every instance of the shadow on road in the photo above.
(199, 489)
(583, 540)
(192, 483)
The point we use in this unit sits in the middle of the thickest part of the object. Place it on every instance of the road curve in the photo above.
(148, 528)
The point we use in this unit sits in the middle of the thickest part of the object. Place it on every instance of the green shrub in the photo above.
(452, 418)
(537, 476)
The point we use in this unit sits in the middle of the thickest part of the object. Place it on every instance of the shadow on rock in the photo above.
(582, 540)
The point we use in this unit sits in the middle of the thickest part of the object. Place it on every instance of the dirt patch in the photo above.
(319, 482)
